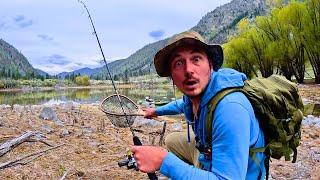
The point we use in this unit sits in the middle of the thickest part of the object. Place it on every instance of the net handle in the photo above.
(117, 114)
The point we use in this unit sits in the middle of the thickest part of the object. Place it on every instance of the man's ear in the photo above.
(211, 65)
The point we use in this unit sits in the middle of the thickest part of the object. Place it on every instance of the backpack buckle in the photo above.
(208, 153)
(206, 150)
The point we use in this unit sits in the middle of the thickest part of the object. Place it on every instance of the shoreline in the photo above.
(118, 86)
(66, 87)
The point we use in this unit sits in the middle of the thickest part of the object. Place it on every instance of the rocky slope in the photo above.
(218, 24)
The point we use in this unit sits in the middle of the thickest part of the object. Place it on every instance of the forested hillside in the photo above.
(13, 64)
(139, 63)
(218, 24)
(215, 26)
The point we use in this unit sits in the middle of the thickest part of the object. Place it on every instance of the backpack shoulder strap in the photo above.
(209, 121)
(211, 108)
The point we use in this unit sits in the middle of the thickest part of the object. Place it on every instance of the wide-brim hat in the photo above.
(187, 38)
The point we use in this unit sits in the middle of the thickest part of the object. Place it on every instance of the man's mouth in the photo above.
(190, 82)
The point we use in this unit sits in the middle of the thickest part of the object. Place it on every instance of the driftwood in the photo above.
(162, 133)
(18, 161)
(42, 141)
(64, 175)
(29, 136)
(11, 144)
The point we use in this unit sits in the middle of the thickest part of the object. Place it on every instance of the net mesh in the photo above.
(118, 117)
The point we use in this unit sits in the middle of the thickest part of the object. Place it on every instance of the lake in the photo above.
(82, 96)
(96, 95)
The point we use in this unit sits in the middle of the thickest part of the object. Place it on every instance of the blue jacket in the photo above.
(235, 129)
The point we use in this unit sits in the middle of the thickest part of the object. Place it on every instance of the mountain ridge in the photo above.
(215, 27)
(83, 71)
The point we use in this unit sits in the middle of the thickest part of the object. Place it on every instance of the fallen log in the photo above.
(11, 144)
(18, 160)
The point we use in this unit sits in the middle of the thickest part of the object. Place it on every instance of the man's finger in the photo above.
(141, 112)
(133, 149)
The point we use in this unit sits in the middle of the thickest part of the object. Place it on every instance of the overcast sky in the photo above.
(56, 35)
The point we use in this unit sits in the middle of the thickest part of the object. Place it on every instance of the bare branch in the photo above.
(17, 161)
(42, 141)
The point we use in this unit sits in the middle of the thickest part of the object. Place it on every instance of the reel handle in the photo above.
(137, 142)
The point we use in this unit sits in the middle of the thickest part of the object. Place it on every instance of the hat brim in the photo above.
(162, 57)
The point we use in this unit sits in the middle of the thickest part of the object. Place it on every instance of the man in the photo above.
(194, 67)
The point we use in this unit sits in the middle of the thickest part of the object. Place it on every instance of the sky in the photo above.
(56, 35)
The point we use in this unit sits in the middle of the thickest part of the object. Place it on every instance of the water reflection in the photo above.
(83, 96)
(78, 95)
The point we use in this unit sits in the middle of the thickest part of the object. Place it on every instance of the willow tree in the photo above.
(238, 57)
(280, 42)
(283, 29)
(237, 52)
(249, 50)
(259, 47)
(311, 36)
(292, 19)
(277, 48)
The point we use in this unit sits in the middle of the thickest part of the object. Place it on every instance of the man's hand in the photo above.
(148, 112)
(148, 158)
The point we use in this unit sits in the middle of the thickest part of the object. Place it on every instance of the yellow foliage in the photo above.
(83, 80)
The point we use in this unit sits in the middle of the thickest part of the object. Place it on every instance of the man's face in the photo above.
(190, 70)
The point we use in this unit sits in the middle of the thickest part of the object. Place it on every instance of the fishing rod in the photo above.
(136, 140)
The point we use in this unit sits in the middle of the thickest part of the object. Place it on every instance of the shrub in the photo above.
(1, 84)
(83, 80)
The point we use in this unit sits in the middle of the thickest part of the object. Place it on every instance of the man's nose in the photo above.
(189, 67)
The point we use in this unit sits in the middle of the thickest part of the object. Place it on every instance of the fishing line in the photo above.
(136, 140)
(104, 60)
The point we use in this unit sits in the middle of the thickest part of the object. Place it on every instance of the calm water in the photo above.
(82, 96)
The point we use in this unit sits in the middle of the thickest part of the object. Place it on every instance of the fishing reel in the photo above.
(129, 161)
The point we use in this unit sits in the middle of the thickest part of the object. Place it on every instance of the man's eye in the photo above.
(178, 64)
(196, 58)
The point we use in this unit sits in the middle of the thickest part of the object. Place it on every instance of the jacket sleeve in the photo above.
(172, 108)
(230, 147)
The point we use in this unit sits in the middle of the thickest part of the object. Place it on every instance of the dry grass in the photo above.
(90, 155)
(94, 155)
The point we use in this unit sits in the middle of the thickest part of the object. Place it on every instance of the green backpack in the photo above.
(278, 107)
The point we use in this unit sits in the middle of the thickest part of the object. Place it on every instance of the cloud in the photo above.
(51, 69)
(19, 18)
(54, 69)
(2, 25)
(57, 59)
(45, 37)
(22, 21)
(4, 22)
(57, 63)
(26, 23)
(157, 34)
(14, 22)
